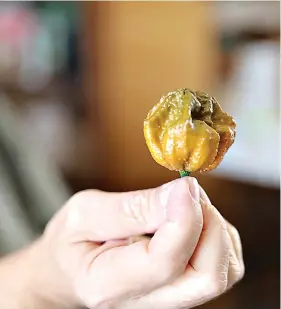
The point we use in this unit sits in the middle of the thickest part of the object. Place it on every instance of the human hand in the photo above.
(89, 260)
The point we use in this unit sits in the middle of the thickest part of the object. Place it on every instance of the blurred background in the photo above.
(78, 78)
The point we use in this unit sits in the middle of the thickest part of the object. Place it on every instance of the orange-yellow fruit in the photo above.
(188, 131)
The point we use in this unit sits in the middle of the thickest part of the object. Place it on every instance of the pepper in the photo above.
(187, 131)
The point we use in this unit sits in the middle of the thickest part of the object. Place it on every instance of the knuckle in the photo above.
(241, 272)
(79, 197)
(218, 285)
(74, 209)
(135, 207)
(74, 203)
(238, 271)
(235, 232)
(236, 276)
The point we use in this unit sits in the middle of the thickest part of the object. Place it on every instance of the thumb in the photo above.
(100, 216)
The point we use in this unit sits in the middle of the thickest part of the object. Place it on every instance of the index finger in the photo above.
(99, 216)
(174, 242)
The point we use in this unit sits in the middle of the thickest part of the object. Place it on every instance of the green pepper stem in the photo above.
(184, 173)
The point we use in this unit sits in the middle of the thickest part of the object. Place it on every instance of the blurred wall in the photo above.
(134, 52)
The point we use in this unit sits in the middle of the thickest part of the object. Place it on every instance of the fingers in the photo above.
(236, 264)
(149, 263)
(100, 216)
(236, 241)
(189, 260)
(210, 269)
(174, 242)
(211, 256)
(205, 276)
(121, 272)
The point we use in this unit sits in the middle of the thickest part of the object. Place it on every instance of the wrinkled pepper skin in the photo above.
(188, 131)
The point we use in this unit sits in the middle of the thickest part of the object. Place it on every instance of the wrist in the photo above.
(30, 279)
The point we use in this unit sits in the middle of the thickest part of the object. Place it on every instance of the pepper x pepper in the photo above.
(188, 131)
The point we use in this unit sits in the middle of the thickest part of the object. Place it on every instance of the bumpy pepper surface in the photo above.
(188, 131)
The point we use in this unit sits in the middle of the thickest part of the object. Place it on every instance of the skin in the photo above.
(86, 257)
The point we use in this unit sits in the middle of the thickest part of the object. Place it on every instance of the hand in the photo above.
(86, 257)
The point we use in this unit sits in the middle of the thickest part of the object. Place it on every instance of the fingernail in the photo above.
(164, 195)
(194, 189)
(176, 194)
(158, 214)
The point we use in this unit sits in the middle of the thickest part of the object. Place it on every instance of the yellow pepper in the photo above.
(188, 131)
